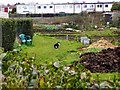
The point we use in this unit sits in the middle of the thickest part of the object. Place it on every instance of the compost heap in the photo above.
(108, 60)
(102, 44)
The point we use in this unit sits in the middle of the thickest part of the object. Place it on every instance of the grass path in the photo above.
(43, 49)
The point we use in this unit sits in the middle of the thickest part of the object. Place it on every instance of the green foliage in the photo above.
(92, 50)
(46, 27)
(1, 50)
(13, 11)
(72, 25)
(89, 33)
(11, 27)
(44, 50)
(115, 23)
(115, 6)
(16, 64)
(24, 26)
(8, 33)
(105, 32)
(20, 71)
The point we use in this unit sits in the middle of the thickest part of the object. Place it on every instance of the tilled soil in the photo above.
(108, 60)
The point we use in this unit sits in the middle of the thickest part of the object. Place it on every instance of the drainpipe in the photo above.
(34, 8)
(74, 8)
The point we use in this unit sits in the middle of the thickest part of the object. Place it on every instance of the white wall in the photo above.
(44, 8)
(107, 8)
(99, 7)
(78, 8)
(67, 8)
(90, 8)
(24, 9)
(4, 15)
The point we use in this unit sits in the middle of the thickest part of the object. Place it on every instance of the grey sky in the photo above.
(49, 1)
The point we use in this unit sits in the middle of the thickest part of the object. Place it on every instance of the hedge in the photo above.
(8, 33)
(24, 26)
(12, 28)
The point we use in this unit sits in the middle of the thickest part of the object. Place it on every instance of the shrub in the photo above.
(8, 33)
(19, 70)
(13, 27)
(24, 26)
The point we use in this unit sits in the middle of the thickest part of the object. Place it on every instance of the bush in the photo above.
(24, 26)
(11, 27)
(8, 33)
(19, 70)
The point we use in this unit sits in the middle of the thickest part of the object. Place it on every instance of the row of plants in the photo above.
(19, 70)
(45, 27)
(76, 37)
(12, 28)
(90, 33)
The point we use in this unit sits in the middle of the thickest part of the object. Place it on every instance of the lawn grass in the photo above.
(42, 48)
(106, 32)
(106, 76)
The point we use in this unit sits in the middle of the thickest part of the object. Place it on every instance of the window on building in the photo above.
(24, 7)
(45, 7)
(51, 6)
(91, 5)
(64, 6)
(25, 11)
(106, 5)
(78, 6)
(70, 6)
(100, 6)
(85, 6)
(39, 7)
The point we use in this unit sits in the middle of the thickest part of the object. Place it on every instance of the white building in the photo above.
(25, 8)
(64, 7)
(44, 8)
(4, 15)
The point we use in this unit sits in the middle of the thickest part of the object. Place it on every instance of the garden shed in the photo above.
(85, 40)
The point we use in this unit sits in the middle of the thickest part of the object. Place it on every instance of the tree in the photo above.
(115, 6)
(13, 10)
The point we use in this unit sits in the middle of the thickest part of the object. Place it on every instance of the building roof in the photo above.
(12, 6)
(69, 3)
(86, 3)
